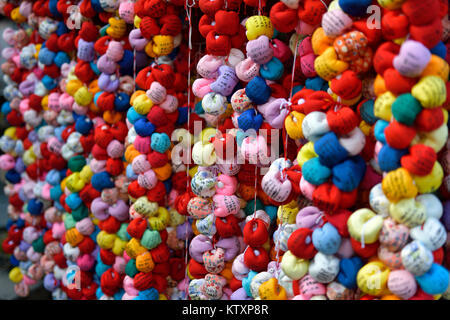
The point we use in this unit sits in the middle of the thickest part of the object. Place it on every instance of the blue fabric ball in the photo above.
(182, 115)
(46, 56)
(272, 212)
(258, 91)
(316, 84)
(56, 192)
(160, 142)
(61, 58)
(440, 50)
(73, 201)
(133, 116)
(296, 89)
(101, 180)
(366, 111)
(435, 280)
(355, 8)
(143, 127)
(314, 172)
(118, 295)
(348, 270)
(131, 175)
(48, 82)
(347, 175)
(329, 150)
(326, 239)
(389, 158)
(13, 261)
(247, 280)
(250, 120)
(272, 70)
(61, 28)
(198, 109)
(378, 130)
(121, 102)
(94, 234)
(20, 223)
(168, 185)
(53, 8)
(12, 176)
(94, 68)
(149, 294)
(126, 64)
(35, 207)
(58, 132)
(53, 177)
(96, 5)
(83, 125)
(6, 108)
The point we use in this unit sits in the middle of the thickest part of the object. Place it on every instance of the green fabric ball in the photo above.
(80, 213)
(406, 108)
(69, 221)
(250, 207)
(39, 245)
(150, 239)
(130, 268)
(76, 163)
(122, 233)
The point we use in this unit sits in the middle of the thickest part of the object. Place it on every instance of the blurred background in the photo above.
(6, 286)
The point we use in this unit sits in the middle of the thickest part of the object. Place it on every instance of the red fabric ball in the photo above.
(311, 11)
(84, 72)
(384, 56)
(394, 25)
(398, 135)
(429, 119)
(420, 160)
(196, 269)
(256, 259)
(157, 194)
(368, 251)
(421, 12)
(301, 245)
(137, 227)
(255, 233)
(107, 257)
(110, 225)
(283, 18)
(205, 25)
(227, 22)
(342, 121)
(161, 253)
(149, 27)
(143, 281)
(171, 25)
(397, 83)
(429, 34)
(211, 7)
(228, 226)
(87, 245)
(218, 45)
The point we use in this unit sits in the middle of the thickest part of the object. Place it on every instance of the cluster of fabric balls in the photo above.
(225, 150)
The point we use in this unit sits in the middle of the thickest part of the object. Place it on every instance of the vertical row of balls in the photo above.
(215, 208)
(154, 114)
(40, 157)
(78, 190)
(110, 206)
(302, 278)
(411, 102)
(266, 62)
